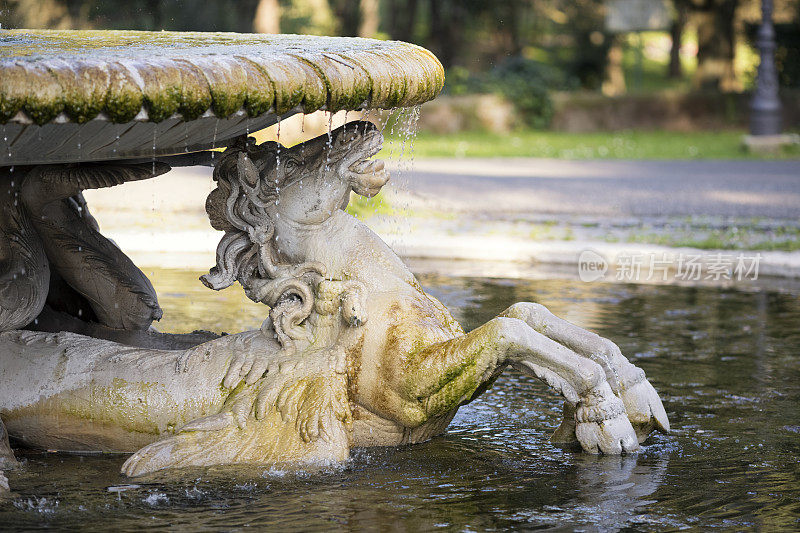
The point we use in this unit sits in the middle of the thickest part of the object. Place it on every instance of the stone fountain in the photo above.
(352, 351)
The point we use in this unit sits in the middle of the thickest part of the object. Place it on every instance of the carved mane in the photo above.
(248, 183)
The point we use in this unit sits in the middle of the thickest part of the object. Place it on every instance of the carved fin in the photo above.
(88, 262)
(102, 256)
(78, 178)
(306, 420)
(24, 270)
(210, 423)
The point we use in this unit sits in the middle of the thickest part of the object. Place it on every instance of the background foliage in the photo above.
(522, 50)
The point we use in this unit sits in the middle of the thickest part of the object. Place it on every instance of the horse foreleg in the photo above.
(642, 404)
(451, 373)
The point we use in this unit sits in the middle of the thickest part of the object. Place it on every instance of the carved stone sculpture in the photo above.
(105, 105)
(98, 95)
(352, 351)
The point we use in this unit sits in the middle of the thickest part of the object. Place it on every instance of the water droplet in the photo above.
(214, 138)
(155, 129)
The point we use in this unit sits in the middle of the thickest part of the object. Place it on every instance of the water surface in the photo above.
(724, 361)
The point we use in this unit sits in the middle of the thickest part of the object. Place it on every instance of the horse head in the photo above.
(306, 183)
(259, 184)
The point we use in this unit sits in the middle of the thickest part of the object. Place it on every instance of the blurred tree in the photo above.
(348, 16)
(370, 18)
(314, 17)
(401, 18)
(585, 25)
(614, 83)
(35, 14)
(446, 33)
(356, 18)
(787, 56)
(154, 8)
(716, 44)
(681, 16)
(462, 32)
(267, 18)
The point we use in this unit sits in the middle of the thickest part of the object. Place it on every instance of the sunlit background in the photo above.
(667, 79)
(615, 127)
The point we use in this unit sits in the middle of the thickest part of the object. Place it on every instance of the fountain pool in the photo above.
(724, 361)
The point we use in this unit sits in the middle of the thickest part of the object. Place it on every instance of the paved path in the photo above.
(635, 188)
(166, 214)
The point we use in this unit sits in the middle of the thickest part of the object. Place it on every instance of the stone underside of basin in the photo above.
(97, 95)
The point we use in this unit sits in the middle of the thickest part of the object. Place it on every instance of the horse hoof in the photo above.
(614, 436)
(602, 425)
(644, 409)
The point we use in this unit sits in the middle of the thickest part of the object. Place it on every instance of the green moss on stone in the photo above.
(44, 97)
(83, 73)
(84, 88)
(260, 91)
(285, 101)
(12, 92)
(123, 98)
(227, 101)
(162, 91)
(195, 95)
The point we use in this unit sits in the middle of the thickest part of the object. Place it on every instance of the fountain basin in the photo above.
(68, 96)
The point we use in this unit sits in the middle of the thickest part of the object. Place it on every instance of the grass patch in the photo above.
(363, 207)
(781, 238)
(601, 145)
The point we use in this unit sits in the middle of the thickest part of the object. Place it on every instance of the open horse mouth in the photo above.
(364, 164)
(367, 175)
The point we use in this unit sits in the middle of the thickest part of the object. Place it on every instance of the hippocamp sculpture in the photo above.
(354, 353)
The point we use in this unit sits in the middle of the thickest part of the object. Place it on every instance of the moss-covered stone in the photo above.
(13, 91)
(84, 85)
(162, 89)
(84, 73)
(123, 98)
(260, 92)
(44, 98)
(195, 93)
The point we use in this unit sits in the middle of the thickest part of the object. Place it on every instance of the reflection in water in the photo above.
(724, 362)
(610, 491)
